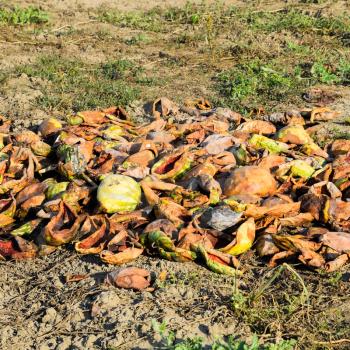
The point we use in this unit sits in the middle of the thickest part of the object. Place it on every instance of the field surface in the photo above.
(59, 57)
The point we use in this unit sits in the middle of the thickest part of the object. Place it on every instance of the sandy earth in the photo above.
(123, 4)
(39, 310)
(146, 5)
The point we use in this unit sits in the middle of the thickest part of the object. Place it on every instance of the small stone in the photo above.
(220, 218)
(50, 315)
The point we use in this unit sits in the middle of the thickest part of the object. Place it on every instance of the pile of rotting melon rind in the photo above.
(195, 184)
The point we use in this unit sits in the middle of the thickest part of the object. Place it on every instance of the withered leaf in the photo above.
(30, 191)
(215, 144)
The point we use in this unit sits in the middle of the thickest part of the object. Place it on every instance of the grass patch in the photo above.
(274, 64)
(23, 16)
(137, 39)
(258, 83)
(250, 85)
(189, 14)
(276, 55)
(153, 20)
(75, 85)
(339, 132)
(162, 19)
(157, 19)
(296, 21)
(148, 21)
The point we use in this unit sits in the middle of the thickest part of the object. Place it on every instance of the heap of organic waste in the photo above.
(194, 184)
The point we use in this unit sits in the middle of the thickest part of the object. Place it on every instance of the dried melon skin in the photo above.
(215, 192)
(50, 126)
(250, 179)
(56, 188)
(263, 142)
(112, 132)
(293, 134)
(118, 193)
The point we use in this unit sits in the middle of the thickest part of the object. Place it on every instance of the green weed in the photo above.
(324, 74)
(101, 34)
(335, 278)
(234, 344)
(169, 342)
(297, 49)
(253, 83)
(136, 39)
(257, 306)
(189, 39)
(343, 71)
(22, 16)
(249, 308)
(146, 80)
(168, 338)
(189, 14)
(312, 1)
(118, 69)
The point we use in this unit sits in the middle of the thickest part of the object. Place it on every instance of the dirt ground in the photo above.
(39, 310)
